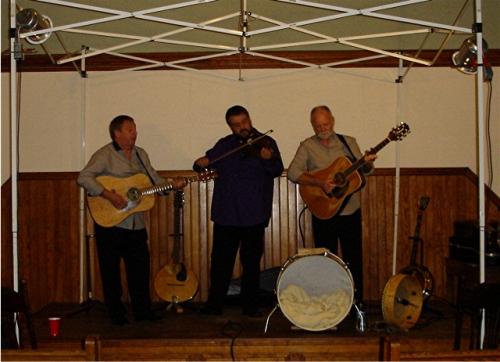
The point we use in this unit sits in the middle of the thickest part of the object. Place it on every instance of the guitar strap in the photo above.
(144, 166)
(147, 173)
(343, 140)
(353, 159)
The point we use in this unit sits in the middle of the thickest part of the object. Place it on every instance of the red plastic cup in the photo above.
(54, 324)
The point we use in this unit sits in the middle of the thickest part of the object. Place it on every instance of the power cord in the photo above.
(300, 226)
(232, 330)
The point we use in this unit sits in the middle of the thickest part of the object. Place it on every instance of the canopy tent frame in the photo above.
(243, 34)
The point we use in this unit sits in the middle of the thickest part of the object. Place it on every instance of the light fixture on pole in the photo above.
(465, 59)
(29, 20)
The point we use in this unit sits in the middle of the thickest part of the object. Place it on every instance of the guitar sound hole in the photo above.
(339, 179)
(133, 194)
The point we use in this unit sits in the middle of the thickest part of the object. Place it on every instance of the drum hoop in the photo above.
(330, 256)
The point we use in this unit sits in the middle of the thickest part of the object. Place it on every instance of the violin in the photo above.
(255, 145)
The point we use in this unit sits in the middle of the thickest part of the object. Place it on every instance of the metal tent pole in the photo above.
(13, 141)
(399, 85)
(480, 135)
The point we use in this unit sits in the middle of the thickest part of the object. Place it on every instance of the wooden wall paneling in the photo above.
(281, 237)
(438, 230)
(404, 220)
(383, 222)
(48, 238)
(369, 223)
(190, 253)
(289, 216)
(49, 233)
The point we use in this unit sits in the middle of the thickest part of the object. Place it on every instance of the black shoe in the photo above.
(119, 320)
(210, 310)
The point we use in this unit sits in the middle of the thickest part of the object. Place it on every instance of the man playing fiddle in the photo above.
(241, 207)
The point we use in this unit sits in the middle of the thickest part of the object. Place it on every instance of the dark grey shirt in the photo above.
(110, 160)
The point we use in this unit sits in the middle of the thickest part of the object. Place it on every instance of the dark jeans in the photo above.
(113, 244)
(347, 230)
(227, 240)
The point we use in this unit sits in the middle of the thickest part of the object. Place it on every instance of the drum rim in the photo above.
(330, 256)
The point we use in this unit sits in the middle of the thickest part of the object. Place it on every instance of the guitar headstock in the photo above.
(399, 132)
(178, 199)
(423, 202)
(207, 175)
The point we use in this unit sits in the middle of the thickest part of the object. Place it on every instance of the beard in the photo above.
(244, 134)
(325, 135)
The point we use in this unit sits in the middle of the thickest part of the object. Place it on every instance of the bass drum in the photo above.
(315, 291)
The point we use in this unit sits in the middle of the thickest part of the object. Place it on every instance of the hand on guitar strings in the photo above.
(117, 200)
(328, 184)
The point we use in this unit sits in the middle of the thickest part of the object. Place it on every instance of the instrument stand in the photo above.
(382, 326)
(90, 303)
(176, 306)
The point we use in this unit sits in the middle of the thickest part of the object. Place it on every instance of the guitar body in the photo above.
(325, 206)
(172, 288)
(174, 283)
(105, 214)
(402, 301)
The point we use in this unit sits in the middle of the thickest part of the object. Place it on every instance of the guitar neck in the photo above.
(176, 252)
(416, 238)
(359, 163)
(164, 187)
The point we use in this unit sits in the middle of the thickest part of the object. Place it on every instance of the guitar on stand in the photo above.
(419, 270)
(174, 283)
(404, 294)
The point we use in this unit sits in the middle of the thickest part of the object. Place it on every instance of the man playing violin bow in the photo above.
(246, 162)
(317, 153)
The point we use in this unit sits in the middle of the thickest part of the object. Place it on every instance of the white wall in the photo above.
(179, 115)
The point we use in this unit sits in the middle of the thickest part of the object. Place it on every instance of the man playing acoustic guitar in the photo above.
(344, 224)
(121, 158)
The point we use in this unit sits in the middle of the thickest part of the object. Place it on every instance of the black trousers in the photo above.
(227, 240)
(347, 230)
(113, 244)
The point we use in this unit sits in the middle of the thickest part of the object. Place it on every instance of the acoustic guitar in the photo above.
(174, 283)
(346, 177)
(137, 190)
(423, 274)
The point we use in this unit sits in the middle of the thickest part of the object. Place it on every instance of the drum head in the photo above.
(315, 292)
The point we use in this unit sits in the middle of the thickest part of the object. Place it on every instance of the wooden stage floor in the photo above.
(235, 332)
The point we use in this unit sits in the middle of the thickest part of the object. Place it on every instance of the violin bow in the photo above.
(249, 142)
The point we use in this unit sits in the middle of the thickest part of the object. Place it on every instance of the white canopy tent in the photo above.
(240, 43)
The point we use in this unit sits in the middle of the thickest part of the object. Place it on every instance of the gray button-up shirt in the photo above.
(110, 160)
(312, 156)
